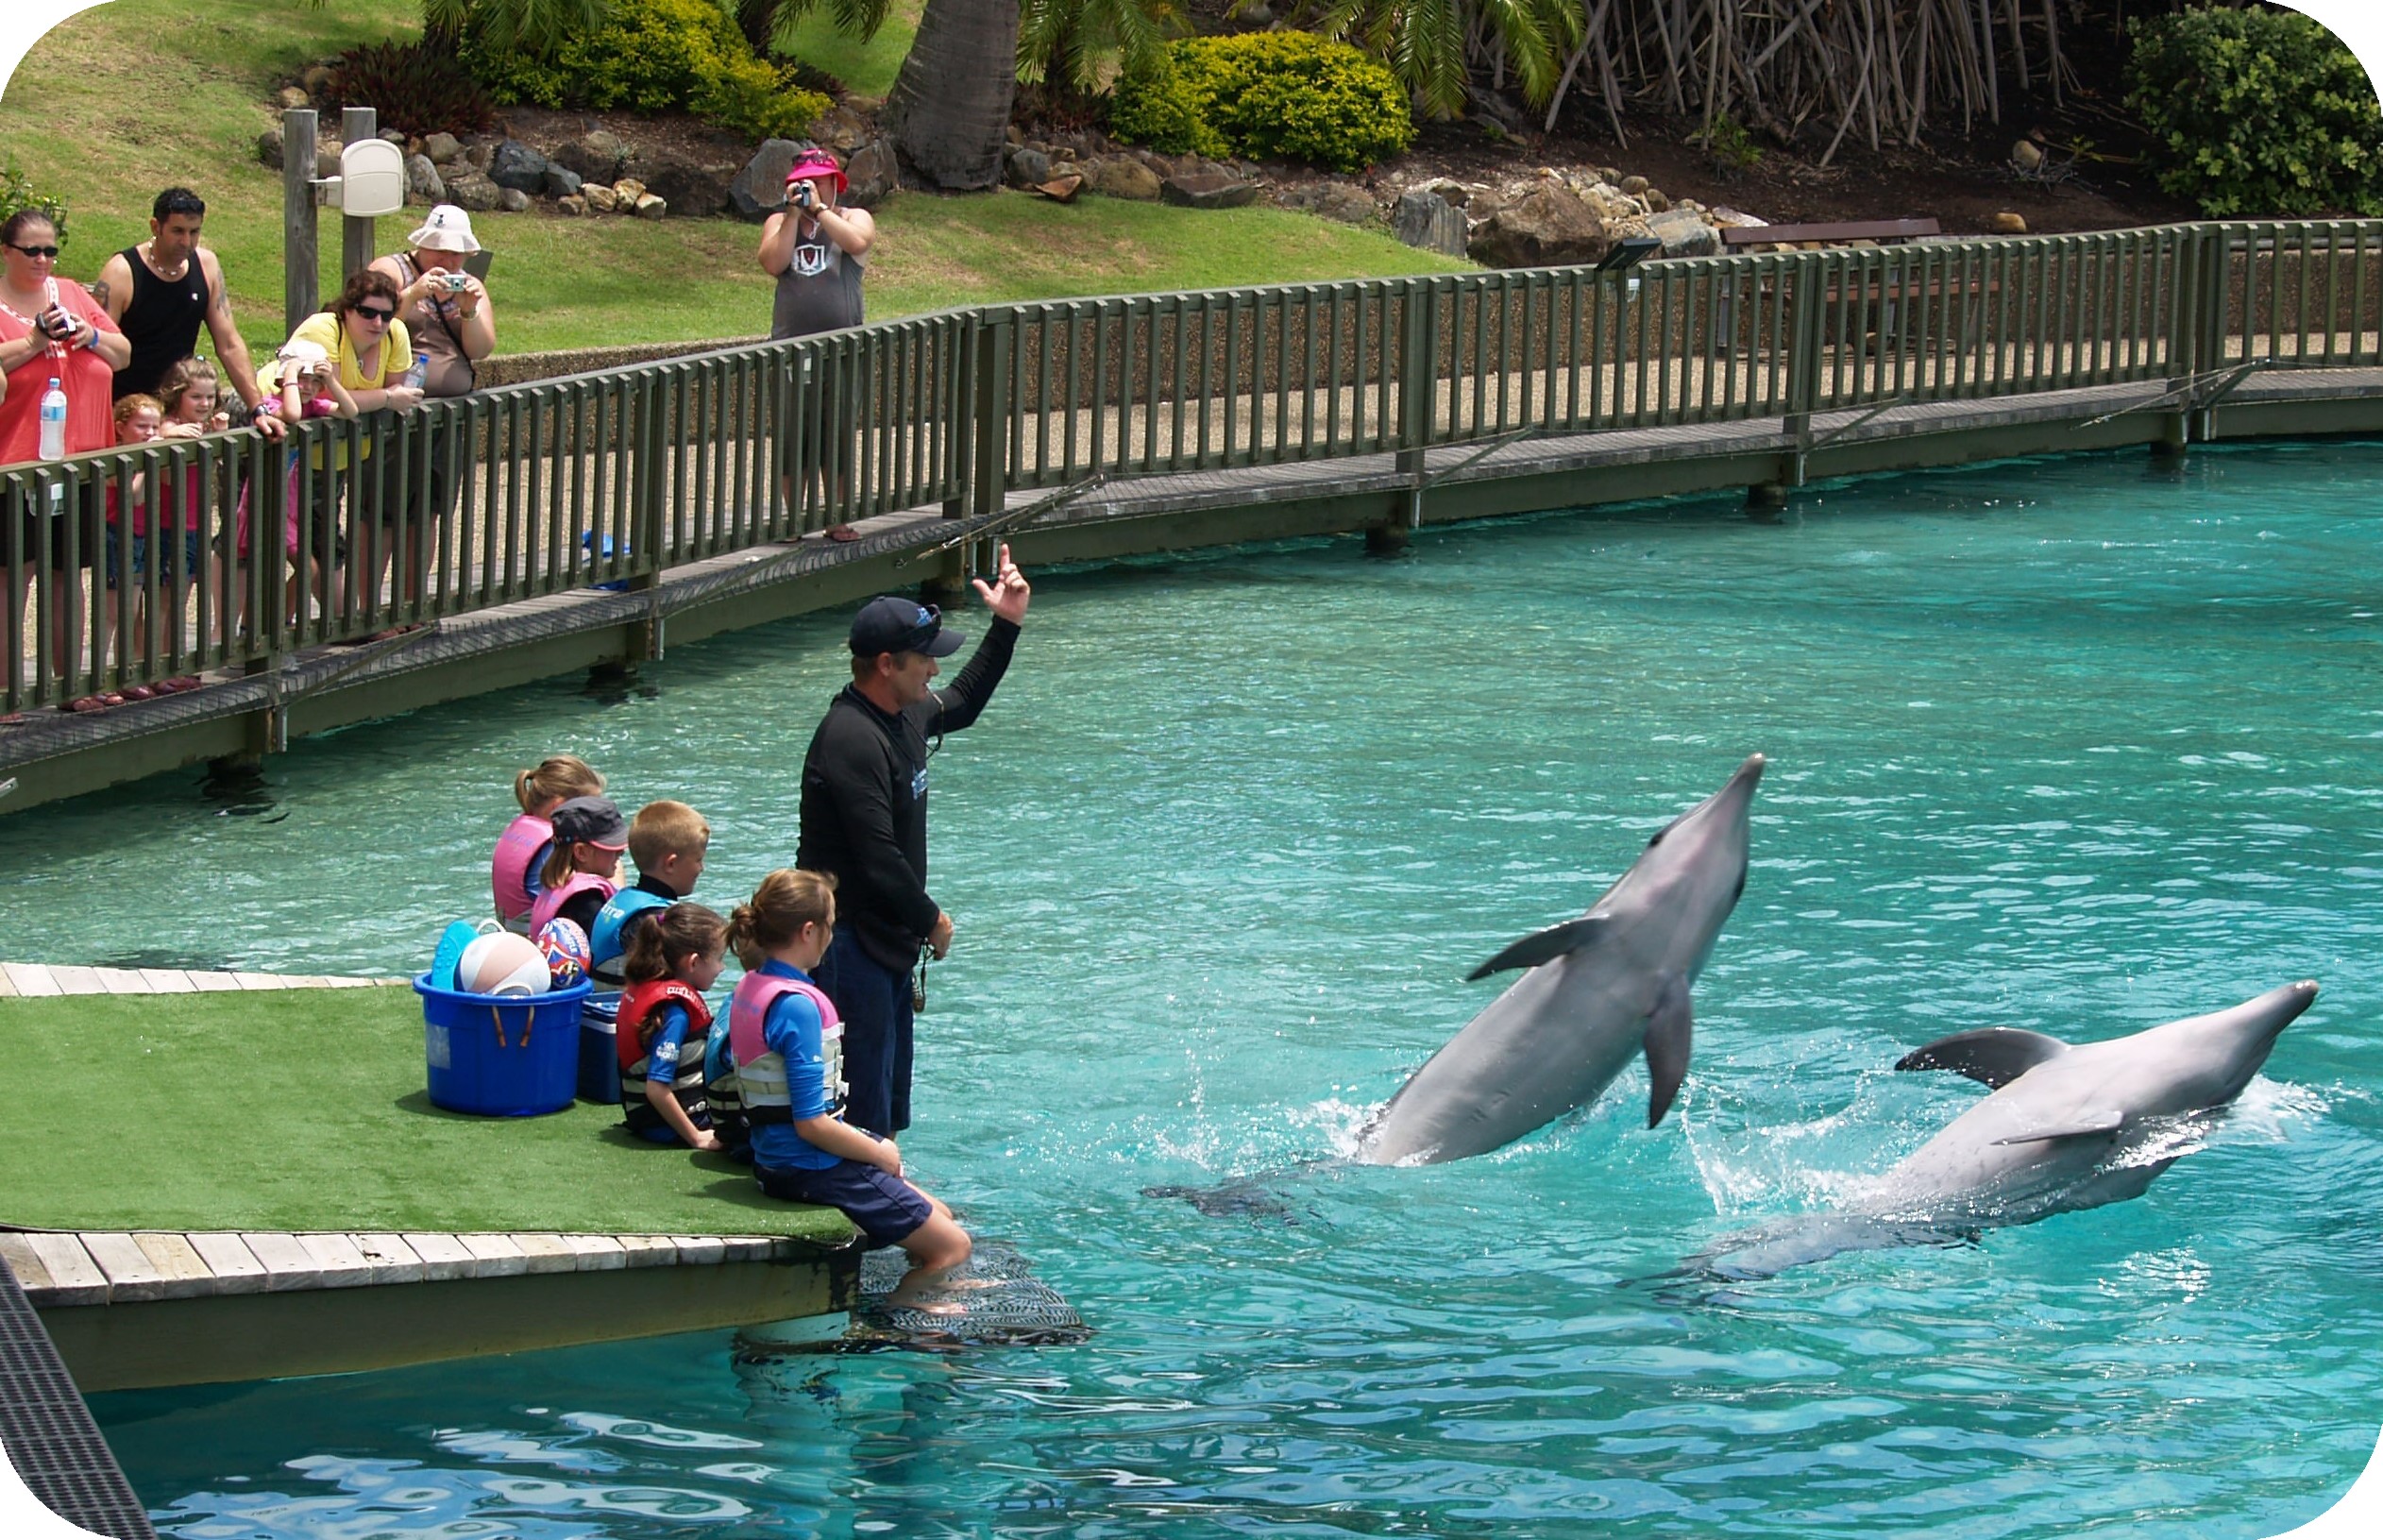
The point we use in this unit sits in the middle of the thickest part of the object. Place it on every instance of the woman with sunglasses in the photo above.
(51, 329)
(363, 337)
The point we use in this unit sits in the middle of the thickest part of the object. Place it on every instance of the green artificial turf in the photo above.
(303, 1109)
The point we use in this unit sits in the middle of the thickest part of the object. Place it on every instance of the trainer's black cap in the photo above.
(892, 624)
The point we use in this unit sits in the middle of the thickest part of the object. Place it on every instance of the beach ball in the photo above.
(565, 948)
(502, 964)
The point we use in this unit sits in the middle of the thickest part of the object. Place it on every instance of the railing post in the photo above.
(1418, 363)
(300, 260)
(1804, 346)
(356, 124)
(985, 449)
(649, 507)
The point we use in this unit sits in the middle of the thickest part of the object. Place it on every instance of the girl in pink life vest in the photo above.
(521, 850)
(788, 1046)
(589, 835)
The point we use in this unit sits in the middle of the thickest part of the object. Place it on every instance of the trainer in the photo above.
(865, 819)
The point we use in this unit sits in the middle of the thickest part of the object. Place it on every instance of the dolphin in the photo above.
(2066, 1128)
(1598, 991)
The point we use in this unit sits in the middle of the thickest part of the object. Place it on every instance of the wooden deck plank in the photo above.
(73, 980)
(700, 1250)
(167, 981)
(648, 1251)
(131, 1277)
(122, 981)
(8, 986)
(286, 1262)
(544, 1252)
(236, 1268)
(391, 1260)
(341, 1261)
(260, 981)
(597, 1253)
(31, 979)
(208, 982)
(495, 1256)
(443, 1255)
(16, 1249)
(184, 1273)
(74, 1278)
(747, 1248)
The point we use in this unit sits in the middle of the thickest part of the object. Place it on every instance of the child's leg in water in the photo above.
(934, 1248)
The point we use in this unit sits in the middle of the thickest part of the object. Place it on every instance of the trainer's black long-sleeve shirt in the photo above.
(864, 802)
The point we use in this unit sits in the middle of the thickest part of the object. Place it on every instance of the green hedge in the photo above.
(652, 55)
(2257, 112)
(1264, 96)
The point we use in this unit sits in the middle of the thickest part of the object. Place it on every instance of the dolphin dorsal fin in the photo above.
(1995, 1056)
(1669, 1027)
(1542, 946)
(2091, 1125)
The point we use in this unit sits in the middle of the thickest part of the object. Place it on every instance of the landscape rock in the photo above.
(442, 147)
(1027, 167)
(1207, 190)
(561, 181)
(1061, 189)
(1456, 194)
(1334, 200)
(1632, 186)
(291, 96)
(2007, 223)
(1656, 202)
(1123, 178)
(1428, 222)
(471, 191)
(269, 148)
(2027, 155)
(651, 207)
(423, 183)
(513, 200)
(476, 155)
(1683, 234)
(515, 166)
(842, 129)
(595, 157)
(316, 80)
(872, 175)
(689, 187)
(1611, 205)
(1548, 226)
(572, 204)
(600, 198)
(760, 189)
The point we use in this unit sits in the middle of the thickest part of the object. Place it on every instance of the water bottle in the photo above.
(420, 372)
(54, 422)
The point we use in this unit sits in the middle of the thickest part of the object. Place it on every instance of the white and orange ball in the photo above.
(566, 950)
(502, 964)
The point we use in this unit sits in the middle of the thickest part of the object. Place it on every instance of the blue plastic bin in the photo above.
(501, 1055)
(598, 1061)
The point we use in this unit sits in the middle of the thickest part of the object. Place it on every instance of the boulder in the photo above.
(572, 204)
(1428, 222)
(760, 189)
(561, 181)
(269, 147)
(1455, 193)
(1026, 167)
(1207, 190)
(872, 175)
(1123, 178)
(1632, 186)
(689, 187)
(1655, 201)
(471, 191)
(2027, 156)
(317, 78)
(513, 200)
(516, 165)
(2007, 223)
(476, 155)
(1339, 201)
(1546, 226)
(1683, 234)
(595, 157)
(423, 183)
(600, 196)
(1061, 189)
(631, 189)
(291, 96)
(651, 207)
(442, 147)
(842, 129)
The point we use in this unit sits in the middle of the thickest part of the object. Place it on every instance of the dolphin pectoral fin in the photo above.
(1994, 1056)
(2086, 1126)
(1669, 1026)
(1542, 946)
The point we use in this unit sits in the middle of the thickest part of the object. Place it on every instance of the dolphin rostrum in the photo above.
(1598, 990)
(2066, 1128)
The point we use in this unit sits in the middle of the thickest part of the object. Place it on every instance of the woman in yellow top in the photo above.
(361, 333)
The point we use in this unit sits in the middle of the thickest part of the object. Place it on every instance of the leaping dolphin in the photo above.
(2067, 1129)
(1599, 990)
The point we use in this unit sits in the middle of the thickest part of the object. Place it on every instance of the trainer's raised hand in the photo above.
(1009, 593)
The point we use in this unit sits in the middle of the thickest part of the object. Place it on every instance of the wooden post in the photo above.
(299, 257)
(356, 124)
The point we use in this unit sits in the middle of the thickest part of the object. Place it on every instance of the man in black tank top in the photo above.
(160, 291)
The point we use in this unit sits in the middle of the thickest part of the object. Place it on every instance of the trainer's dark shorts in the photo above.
(884, 1207)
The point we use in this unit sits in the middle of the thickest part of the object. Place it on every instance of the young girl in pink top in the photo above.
(306, 385)
(513, 871)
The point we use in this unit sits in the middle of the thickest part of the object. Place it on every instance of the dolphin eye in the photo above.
(1658, 840)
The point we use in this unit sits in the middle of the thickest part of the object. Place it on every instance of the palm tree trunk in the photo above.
(950, 106)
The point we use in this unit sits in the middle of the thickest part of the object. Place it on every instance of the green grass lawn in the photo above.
(867, 68)
(204, 74)
(303, 1109)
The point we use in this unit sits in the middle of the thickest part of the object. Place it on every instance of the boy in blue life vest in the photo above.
(668, 841)
(789, 1048)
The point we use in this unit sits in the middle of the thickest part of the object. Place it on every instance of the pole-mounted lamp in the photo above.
(1625, 255)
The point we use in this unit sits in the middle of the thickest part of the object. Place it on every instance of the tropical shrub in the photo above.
(1265, 96)
(18, 194)
(648, 56)
(2257, 112)
(414, 88)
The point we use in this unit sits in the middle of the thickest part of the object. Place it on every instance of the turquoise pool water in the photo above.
(2079, 745)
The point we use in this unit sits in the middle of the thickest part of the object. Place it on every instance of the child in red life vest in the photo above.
(673, 958)
(589, 835)
(521, 850)
(788, 1044)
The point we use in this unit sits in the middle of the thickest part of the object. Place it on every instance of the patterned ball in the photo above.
(564, 946)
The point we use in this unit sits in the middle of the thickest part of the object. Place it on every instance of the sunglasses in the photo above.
(50, 252)
(373, 312)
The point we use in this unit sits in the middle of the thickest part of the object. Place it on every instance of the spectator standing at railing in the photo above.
(159, 291)
(818, 253)
(453, 326)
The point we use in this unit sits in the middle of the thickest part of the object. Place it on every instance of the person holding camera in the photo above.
(817, 251)
(453, 324)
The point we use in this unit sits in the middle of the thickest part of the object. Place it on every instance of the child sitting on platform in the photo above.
(582, 864)
(675, 957)
(514, 871)
(668, 841)
(790, 1049)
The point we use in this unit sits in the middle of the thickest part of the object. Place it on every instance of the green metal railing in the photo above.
(616, 476)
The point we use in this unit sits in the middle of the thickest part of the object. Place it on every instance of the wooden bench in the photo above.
(1734, 236)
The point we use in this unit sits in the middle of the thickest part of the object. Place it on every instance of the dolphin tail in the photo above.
(1542, 946)
(1669, 1027)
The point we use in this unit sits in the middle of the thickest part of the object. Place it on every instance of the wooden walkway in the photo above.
(38, 980)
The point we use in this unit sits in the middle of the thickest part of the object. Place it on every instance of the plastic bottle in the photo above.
(54, 422)
(420, 372)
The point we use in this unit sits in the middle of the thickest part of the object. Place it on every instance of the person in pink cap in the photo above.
(817, 251)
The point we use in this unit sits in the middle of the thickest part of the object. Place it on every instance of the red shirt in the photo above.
(90, 384)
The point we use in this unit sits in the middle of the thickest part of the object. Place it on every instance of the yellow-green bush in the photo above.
(1265, 96)
(651, 56)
